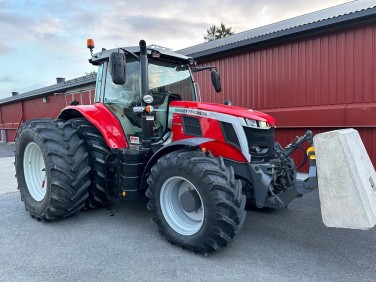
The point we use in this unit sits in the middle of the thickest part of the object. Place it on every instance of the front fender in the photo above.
(103, 119)
(181, 144)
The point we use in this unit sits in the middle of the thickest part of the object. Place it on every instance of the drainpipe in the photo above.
(3, 136)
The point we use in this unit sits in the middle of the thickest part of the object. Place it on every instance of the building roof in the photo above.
(48, 90)
(319, 19)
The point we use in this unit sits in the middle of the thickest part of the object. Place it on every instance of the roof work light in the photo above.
(90, 45)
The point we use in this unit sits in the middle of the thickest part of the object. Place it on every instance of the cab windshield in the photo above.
(171, 79)
(167, 83)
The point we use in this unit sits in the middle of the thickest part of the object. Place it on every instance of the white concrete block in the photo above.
(347, 180)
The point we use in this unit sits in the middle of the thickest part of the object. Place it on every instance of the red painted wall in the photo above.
(12, 114)
(36, 108)
(322, 83)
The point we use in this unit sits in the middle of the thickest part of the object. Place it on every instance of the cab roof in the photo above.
(165, 54)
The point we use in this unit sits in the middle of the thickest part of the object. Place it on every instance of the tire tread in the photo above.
(98, 151)
(225, 194)
(69, 173)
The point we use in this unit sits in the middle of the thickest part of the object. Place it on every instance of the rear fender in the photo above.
(190, 143)
(103, 119)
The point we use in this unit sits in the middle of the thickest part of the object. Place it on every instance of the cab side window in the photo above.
(98, 86)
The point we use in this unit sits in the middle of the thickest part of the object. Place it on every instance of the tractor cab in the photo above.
(166, 77)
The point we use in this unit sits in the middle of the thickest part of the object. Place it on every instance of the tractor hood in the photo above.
(225, 109)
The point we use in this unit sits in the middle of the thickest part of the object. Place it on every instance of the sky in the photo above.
(44, 39)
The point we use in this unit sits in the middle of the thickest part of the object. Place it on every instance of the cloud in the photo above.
(13, 19)
(5, 79)
(52, 34)
(4, 49)
(47, 25)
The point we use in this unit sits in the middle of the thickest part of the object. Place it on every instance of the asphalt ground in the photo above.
(122, 244)
(6, 150)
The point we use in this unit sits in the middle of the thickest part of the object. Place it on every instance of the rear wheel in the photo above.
(195, 200)
(98, 151)
(52, 169)
(35, 171)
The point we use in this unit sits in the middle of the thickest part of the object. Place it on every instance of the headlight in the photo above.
(255, 123)
(148, 99)
(251, 122)
(264, 124)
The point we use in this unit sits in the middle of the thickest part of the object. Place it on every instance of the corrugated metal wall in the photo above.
(10, 118)
(322, 83)
(368, 135)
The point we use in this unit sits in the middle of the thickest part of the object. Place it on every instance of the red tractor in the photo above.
(199, 163)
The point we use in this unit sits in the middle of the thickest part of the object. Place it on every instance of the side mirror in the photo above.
(117, 68)
(216, 80)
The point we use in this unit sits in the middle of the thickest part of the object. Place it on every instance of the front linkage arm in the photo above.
(309, 183)
(275, 184)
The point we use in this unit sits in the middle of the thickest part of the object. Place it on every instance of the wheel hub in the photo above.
(35, 172)
(182, 205)
(190, 201)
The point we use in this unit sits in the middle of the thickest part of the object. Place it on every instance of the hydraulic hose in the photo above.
(308, 136)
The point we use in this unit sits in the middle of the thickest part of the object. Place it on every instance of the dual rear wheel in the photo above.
(52, 169)
(60, 167)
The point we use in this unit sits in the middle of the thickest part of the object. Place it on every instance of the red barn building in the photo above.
(315, 71)
(45, 102)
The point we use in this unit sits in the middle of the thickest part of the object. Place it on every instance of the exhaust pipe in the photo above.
(147, 119)
(144, 69)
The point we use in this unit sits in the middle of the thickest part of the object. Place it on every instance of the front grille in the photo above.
(192, 126)
(260, 143)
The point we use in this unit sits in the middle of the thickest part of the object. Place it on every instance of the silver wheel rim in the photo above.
(184, 223)
(34, 171)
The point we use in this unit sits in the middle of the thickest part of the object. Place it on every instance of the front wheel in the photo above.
(195, 200)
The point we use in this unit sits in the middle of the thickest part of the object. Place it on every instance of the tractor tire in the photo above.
(98, 151)
(195, 200)
(52, 169)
